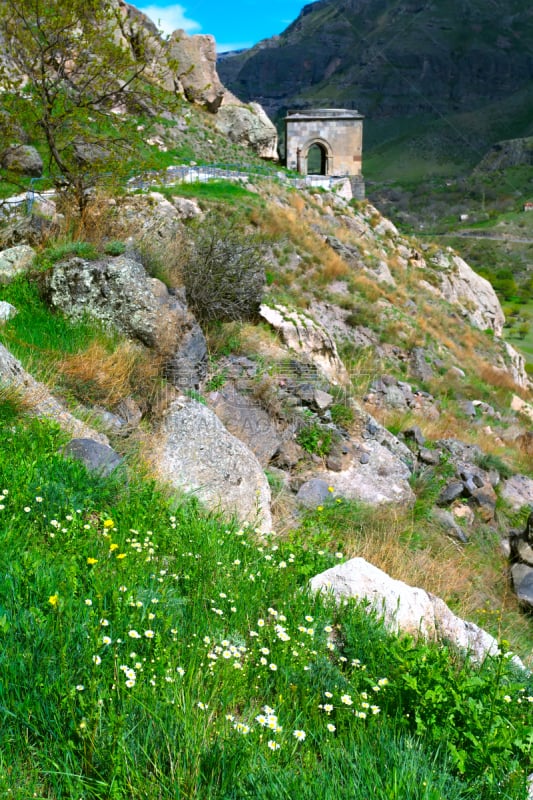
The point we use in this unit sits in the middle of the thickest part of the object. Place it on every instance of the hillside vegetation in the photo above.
(159, 642)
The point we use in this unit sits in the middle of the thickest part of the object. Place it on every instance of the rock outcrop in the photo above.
(39, 402)
(460, 285)
(301, 334)
(194, 453)
(404, 609)
(196, 69)
(248, 125)
(24, 160)
(120, 293)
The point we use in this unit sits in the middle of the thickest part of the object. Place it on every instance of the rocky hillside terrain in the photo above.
(446, 78)
(266, 488)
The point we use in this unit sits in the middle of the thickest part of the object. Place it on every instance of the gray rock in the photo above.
(447, 521)
(194, 453)
(7, 311)
(518, 491)
(364, 458)
(289, 454)
(416, 434)
(322, 400)
(23, 159)
(404, 608)
(451, 492)
(419, 365)
(522, 576)
(95, 456)
(485, 501)
(300, 333)
(38, 400)
(314, 493)
(468, 408)
(119, 292)
(250, 126)
(247, 421)
(15, 260)
(195, 69)
(430, 457)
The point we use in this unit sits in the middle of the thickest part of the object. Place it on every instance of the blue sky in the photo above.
(234, 23)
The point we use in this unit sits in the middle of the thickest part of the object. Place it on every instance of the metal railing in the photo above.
(192, 173)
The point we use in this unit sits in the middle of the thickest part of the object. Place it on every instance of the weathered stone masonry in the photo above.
(338, 135)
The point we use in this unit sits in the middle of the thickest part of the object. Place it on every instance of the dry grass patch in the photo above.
(106, 377)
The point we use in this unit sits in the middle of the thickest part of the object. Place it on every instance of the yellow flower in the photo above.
(53, 599)
(108, 523)
(113, 546)
(331, 489)
(122, 555)
(92, 560)
(320, 508)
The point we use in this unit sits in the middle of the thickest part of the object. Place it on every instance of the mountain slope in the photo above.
(396, 61)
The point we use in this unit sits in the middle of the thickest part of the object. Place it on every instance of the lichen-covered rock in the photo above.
(14, 260)
(249, 125)
(404, 609)
(96, 457)
(195, 453)
(196, 69)
(120, 293)
(306, 337)
(23, 159)
(39, 402)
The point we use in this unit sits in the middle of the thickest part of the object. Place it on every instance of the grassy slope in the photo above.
(141, 645)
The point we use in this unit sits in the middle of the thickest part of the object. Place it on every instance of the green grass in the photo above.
(40, 338)
(154, 651)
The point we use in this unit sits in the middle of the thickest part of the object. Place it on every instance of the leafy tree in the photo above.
(69, 77)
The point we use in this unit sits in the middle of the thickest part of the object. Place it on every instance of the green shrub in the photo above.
(315, 439)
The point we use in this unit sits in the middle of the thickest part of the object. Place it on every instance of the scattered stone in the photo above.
(95, 456)
(517, 404)
(451, 492)
(518, 491)
(430, 457)
(364, 458)
(7, 311)
(195, 453)
(15, 260)
(305, 337)
(468, 408)
(419, 364)
(416, 434)
(404, 609)
(119, 292)
(314, 493)
(522, 576)
(248, 125)
(447, 521)
(289, 454)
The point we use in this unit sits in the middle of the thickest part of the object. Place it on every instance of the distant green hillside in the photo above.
(443, 81)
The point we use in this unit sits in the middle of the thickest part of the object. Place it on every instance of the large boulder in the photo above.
(120, 293)
(24, 160)
(376, 476)
(404, 609)
(196, 454)
(196, 69)
(250, 126)
(247, 421)
(39, 402)
(301, 334)
(15, 260)
(460, 285)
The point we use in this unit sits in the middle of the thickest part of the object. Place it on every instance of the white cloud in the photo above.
(170, 18)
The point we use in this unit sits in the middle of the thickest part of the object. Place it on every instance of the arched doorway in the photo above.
(317, 160)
